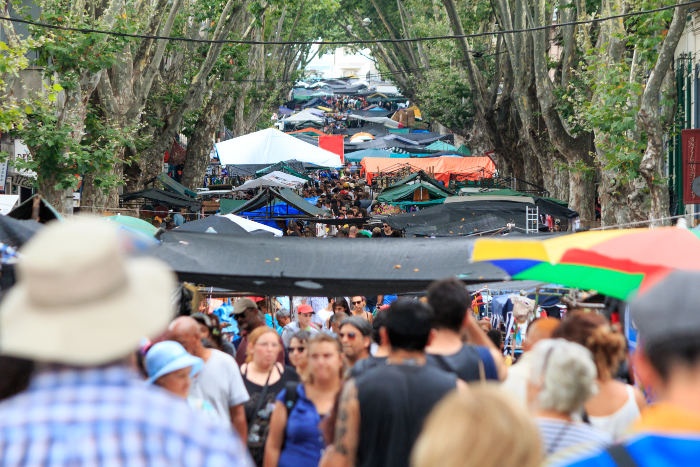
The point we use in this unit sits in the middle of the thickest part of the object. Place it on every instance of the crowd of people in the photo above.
(417, 381)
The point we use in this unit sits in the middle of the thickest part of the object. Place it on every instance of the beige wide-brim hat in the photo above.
(79, 300)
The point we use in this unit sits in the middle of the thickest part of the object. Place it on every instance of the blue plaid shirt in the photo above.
(108, 417)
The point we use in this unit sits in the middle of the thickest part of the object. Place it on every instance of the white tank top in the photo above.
(618, 423)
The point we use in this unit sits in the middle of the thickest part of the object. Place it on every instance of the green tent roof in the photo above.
(403, 194)
(282, 167)
(509, 192)
(422, 176)
(175, 187)
(465, 151)
(440, 146)
(227, 205)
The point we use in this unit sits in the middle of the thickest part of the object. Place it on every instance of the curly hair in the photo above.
(591, 330)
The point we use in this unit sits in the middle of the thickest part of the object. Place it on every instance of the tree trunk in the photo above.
(200, 144)
(655, 125)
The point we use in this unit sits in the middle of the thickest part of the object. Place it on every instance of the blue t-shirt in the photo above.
(303, 441)
(651, 450)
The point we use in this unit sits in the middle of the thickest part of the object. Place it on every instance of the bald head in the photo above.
(539, 329)
(185, 330)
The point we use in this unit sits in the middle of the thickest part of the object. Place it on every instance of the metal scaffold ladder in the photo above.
(532, 219)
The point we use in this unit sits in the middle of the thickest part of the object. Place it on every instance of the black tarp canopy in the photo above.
(310, 267)
(166, 198)
(16, 232)
(25, 210)
(469, 217)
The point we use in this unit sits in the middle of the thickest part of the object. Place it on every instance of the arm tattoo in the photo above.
(349, 393)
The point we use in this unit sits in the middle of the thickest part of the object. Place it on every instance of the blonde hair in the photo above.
(253, 337)
(472, 428)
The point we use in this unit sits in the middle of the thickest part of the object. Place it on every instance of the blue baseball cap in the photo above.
(168, 356)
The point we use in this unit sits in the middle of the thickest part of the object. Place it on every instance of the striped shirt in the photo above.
(106, 416)
(562, 440)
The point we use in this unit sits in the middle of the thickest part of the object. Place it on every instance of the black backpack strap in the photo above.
(621, 456)
(291, 395)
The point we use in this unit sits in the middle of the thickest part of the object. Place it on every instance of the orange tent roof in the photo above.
(462, 168)
(315, 131)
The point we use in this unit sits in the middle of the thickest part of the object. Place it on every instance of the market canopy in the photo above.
(228, 225)
(459, 219)
(271, 196)
(293, 266)
(417, 189)
(546, 206)
(304, 116)
(35, 204)
(419, 193)
(357, 156)
(443, 168)
(16, 232)
(275, 179)
(270, 146)
(163, 197)
(440, 146)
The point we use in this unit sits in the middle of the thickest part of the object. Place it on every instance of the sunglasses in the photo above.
(357, 303)
(238, 316)
(349, 335)
(296, 349)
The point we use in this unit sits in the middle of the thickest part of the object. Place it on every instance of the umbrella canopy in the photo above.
(617, 263)
(294, 266)
(362, 136)
(15, 232)
(134, 223)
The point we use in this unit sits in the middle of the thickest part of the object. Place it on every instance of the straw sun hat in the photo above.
(79, 300)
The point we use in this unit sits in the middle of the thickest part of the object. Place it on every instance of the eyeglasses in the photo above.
(386, 225)
(296, 349)
(349, 335)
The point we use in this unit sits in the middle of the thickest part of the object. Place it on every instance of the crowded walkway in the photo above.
(109, 373)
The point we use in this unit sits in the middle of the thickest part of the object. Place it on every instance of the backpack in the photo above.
(291, 395)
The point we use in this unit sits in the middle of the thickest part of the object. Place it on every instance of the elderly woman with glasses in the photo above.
(562, 378)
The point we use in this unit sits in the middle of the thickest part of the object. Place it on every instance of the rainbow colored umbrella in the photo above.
(617, 263)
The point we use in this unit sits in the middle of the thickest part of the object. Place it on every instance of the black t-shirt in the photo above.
(394, 401)
(262, 400)
(365, 364)
(465, 363)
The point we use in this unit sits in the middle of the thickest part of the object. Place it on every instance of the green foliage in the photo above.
(12, 61)
(96, 51)
(58, 157)
(446, 97)
(617, 88)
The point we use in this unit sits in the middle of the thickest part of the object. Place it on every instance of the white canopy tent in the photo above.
(305, 115)
(275, 179)
(270, 146)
